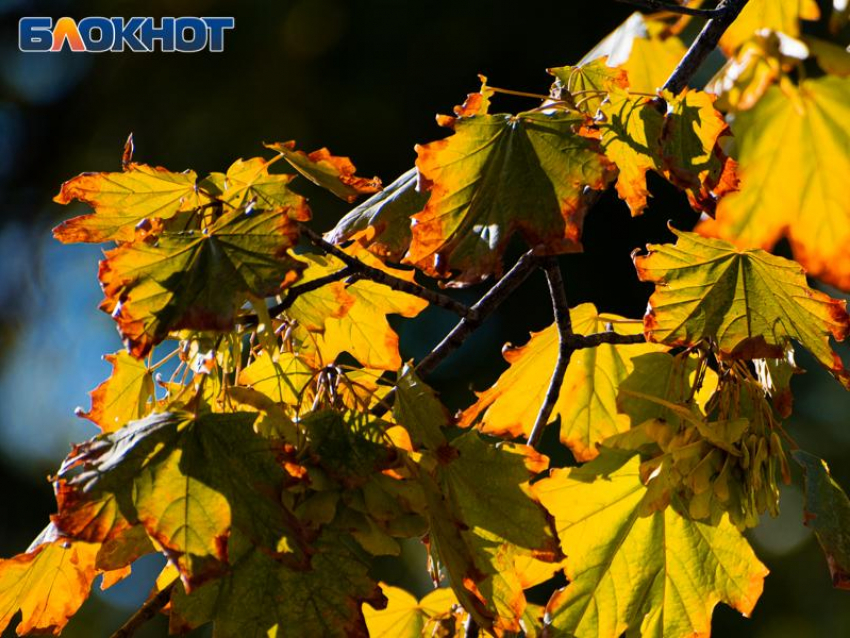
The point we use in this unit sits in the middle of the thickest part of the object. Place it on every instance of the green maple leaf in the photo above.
(751, 302)
(189, 480)
(656, 575)
(197, 280)
(499, 175)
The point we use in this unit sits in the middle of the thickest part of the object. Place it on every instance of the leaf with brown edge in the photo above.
(827, 512)
(197, 280)
(124, 396)
(121, 200)
(333, 173)
(750, 302)
(647, 49)
(363, 331)
(483, 531)
(586, 85)
(682, 145)
(656, 575)
(248, 181)
(261, 596)
(312, 309)
(497, 176)
(587, 402)
(794, 168)
(382, 222)
(189, 480)
(48, 583)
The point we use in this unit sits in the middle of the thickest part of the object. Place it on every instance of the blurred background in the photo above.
(364, 78)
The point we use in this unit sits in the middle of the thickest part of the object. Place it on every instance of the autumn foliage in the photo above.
(292, 441)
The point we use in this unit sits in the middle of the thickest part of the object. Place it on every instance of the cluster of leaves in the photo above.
(291, 443)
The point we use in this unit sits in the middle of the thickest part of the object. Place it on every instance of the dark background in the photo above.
(364, 78)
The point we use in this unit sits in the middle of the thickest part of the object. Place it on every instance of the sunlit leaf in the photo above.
(482, 530)
(646, 49)
(382, 222)
(776, 15)
(587, 403)
(682, 145)
(657, 575)
(406, 617)
(47, 583)
(188, 480)
(496, 176)
(122, 200)
(587, 84)
(751, 302)
(828, 514)
(336, 174)
(197, 280)
(785, 142)
(124, 396)
(420, 412)
(248, 181)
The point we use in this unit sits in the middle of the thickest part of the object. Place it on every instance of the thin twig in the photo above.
(561, 309)
(503, 289)
(146, 612)
(471, 629)
(293, 293)
(580, 342)
(705, 43)
(379, 276)
(661, 5)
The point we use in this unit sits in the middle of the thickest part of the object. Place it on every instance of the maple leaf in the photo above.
(188, 480)
(336, 174)
(682, 145)
(496, 176)
(587, 402)
(122, 200)
(196, 280)
(784, 143)
(483, 531)
(751, 302)
(48, 583)
(775, 15)
(355, 316)
(656, 575)
(590, 81)
(382, 222)
(406, 617)
(124, 396)
(312, 309)
(645, 48)
(248, 181)
(420, 412)
(751, 71)
(283, 378)
(827, 512)
(261, 596)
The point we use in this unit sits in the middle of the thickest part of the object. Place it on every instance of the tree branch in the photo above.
(293, 293)
(661, 5)
(561, 309)
(379, 276)
(146, 612)
(503, 289)
(705, 43)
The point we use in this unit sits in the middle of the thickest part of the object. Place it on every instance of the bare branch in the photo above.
(705, 43)
(379, 276)
(146, 612)
(565, 351)
(661, 5)
(579, 342)
(503, 289)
